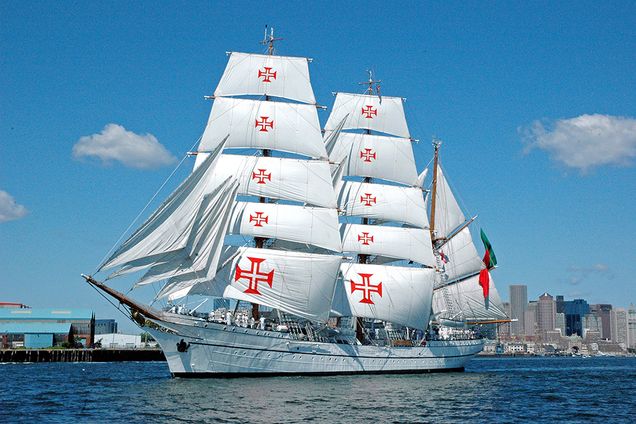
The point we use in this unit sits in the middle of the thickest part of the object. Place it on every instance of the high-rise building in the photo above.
(575, 310)
(546, 314)
(560, 322)
(518, 306)
(619, 325)
(602, 310)
(592, 325)
(631, 326)
(530, 319)
(560, 304)
(503, 331)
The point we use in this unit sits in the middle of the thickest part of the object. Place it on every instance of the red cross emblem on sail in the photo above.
(367, 155)
(254, 275)
(267, 74)
(366, 288)
(365, 238)
(261, 176)
(369, 112)
(367, 199)
(259, 219)
(264, 123)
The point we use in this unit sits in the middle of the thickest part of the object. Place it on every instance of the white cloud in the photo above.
(115, 143)
(578, 274)
(9, 209)
(586, 141)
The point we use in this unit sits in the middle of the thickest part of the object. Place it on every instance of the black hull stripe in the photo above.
(313, 374)
(298, 352)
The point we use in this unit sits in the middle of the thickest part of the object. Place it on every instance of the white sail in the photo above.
(468, 300)
(412, 244)
(168, 228)
(459, 256)
(258, 124)
(383, 202)
(398, 294)
(385, 115)
(306, 181)
(448, 214)
(202, 249)
(298, 283)
(365, 155)
(300, 224)
(257, 74)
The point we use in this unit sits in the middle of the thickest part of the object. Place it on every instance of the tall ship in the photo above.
(324, 251)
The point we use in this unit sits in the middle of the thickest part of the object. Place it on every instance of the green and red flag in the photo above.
(490, 260)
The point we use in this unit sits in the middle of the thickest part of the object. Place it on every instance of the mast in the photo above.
(259, 242)
(436, 144)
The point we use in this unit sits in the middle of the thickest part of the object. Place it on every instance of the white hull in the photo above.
(217, 350)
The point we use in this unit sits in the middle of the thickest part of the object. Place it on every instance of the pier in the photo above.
(80, 355)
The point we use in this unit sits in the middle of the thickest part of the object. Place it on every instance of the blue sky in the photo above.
(535, 102)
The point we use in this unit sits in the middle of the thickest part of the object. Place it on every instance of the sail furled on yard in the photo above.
(268, 75)
(168, 228)
(468, 302)
(401, 295)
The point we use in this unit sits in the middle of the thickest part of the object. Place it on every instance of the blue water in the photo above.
(499, 390)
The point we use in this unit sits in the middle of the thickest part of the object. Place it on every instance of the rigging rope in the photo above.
(145, 207)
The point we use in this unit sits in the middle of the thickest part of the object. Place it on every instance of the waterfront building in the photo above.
(518, 307)
(592, 327)
(575, 310)
(38, 328)
(631, 326)
(603, 310)
(105, 326)
(546, 314)
(619, 325)
(530, 320)
(119, 341)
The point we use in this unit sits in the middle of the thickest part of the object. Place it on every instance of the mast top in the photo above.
(370, 83)
(269, 39)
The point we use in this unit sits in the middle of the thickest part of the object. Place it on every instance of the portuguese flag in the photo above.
(490, 260)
